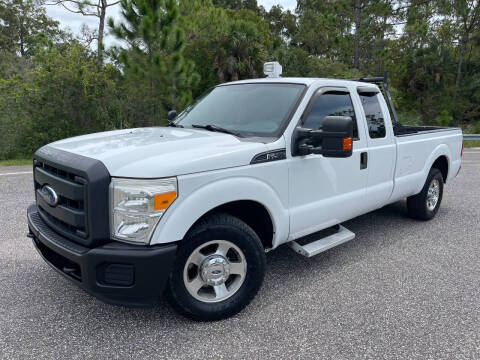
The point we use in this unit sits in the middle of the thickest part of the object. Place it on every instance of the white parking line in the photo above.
(16, 173)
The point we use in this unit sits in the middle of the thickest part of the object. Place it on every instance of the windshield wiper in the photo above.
(211, 127)
(172, 124)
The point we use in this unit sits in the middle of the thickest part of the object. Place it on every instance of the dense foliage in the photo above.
(54, 86)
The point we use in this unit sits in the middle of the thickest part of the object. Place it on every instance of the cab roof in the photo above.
(302, 81)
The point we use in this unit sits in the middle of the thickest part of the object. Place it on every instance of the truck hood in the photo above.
(162, 151)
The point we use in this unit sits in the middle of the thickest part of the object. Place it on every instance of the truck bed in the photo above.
(398, 128)
(417, 148)
(406, 130)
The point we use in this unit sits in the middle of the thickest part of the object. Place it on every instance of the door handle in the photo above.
(363, 160)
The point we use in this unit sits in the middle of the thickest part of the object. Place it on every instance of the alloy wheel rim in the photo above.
(215, 271)
(433, 194)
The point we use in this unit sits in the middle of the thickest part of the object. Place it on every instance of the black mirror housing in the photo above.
(172, 114)
(338, 136)
(334, 139)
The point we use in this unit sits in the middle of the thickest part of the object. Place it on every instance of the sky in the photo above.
(74, 22)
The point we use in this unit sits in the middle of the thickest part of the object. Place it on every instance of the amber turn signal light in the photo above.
(347, 144)
(163, 201)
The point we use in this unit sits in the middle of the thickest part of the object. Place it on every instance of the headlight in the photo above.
(137, 206)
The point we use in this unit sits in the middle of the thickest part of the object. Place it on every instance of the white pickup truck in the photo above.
(192, 208)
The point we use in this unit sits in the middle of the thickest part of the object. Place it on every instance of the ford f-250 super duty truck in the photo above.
(192, 208)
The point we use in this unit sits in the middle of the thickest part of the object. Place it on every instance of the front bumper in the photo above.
(116, 273)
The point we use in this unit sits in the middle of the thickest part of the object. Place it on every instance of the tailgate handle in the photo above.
(363, 160)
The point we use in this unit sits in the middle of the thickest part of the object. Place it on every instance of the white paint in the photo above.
(302, 194)
(318, 183)
(415, 156)
(162, 152)
(199, 193)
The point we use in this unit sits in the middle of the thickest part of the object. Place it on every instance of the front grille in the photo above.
(81, 185)
(69, 215)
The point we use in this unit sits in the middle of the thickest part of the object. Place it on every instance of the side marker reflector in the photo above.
(163, 201)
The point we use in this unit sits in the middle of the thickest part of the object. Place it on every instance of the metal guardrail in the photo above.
(469, 137)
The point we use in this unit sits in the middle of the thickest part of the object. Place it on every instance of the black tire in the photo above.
(417, 204)
(214, 227)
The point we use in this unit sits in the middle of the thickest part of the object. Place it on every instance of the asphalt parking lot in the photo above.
(403, 289)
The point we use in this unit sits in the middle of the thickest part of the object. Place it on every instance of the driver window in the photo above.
(331, 104)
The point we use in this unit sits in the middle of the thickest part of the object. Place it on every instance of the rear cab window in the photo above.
(373, 114)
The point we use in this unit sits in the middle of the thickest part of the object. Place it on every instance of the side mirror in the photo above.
(334, 139)
(172, 114)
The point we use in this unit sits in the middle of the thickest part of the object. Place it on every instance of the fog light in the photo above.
(116, 274)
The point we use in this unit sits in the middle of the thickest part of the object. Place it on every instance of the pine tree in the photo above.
(237, 4)
(157, 74)
(20, 22)
(465, 14)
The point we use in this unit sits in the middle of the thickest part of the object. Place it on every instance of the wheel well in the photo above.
(253, 214)
(442, 164)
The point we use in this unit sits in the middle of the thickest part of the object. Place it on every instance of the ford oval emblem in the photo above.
(49, 195)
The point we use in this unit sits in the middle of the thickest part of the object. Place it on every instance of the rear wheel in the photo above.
(219, 268)
(425, 205)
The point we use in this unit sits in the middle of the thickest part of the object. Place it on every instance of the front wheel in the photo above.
(219, 268)
(424, 205)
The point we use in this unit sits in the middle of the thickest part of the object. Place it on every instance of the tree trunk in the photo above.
(22, 45)
(356, 55)
(463, 46)
(21, 32)
(381, 45)
(153, 115)
(101, 29)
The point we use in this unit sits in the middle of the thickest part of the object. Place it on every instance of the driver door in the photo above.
(326, 191)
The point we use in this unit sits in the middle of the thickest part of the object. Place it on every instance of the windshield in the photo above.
(244, 109)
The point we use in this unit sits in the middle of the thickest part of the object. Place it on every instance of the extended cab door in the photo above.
(326, 191)
(381, 155)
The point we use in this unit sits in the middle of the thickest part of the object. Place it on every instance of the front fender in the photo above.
(187, 209)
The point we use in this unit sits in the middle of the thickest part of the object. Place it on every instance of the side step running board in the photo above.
(317, 246)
